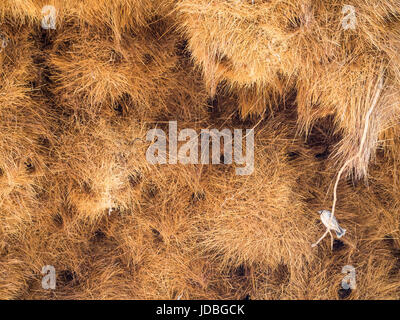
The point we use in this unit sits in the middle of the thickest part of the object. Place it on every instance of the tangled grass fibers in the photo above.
(76, 190)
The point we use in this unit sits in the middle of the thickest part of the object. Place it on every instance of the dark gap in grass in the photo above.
(344, 293)
(135, 178)
(338, 245)
(99, 235)
(292, 155)
(68, 277)
(197, 197)
(30, 168)
(58, 219)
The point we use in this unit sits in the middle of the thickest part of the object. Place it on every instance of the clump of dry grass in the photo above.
(98, 163)
(13, 278)
(21, 11)
(25, 138)
(256, 220)
(221, 38)
(77, 192)
(120, 15)
(171, 262)
(302, 45)
(144, 73)
(370, 245)
(23, 133)
(93, 68)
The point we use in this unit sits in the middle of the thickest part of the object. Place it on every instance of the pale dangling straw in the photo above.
(358, 155)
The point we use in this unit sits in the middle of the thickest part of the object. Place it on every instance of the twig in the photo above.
(358, 155)
(363, 139)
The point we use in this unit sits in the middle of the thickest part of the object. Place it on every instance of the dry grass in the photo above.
(258, 219)
(23, 131)
(78, 193)
(301, 45)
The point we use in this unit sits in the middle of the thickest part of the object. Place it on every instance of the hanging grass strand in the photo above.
(358, 155)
